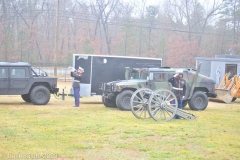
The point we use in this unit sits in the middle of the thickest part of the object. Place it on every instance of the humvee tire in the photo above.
(40, 95)
(26, 97)
(184, 103)
(234, 99)
(123, 100)
(198, 101)
(109, 102)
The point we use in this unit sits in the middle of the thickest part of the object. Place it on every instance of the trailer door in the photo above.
(86, 63)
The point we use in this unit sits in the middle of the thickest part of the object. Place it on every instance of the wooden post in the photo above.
(56, 39)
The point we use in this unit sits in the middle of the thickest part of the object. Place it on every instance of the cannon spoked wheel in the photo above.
(139, 102)
(162, 105)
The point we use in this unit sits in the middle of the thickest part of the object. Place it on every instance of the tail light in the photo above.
(213, 89)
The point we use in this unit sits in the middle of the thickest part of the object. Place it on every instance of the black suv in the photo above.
(20, 79)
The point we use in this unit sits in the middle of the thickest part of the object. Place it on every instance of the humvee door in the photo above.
(3, 80)
(159, 81)
(19, 77)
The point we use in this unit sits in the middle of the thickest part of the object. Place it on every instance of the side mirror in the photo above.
(127, 73)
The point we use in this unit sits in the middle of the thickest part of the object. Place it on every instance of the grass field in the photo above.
(92, 131)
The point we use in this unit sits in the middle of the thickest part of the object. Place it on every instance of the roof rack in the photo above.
(166, 67)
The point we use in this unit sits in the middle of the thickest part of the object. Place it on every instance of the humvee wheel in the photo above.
(234, 99)
(162, 105)
(198, 101)
(40, 95)
(108, 102)
(139, 102)
(26, 97)
(123, 100)
(184, 103)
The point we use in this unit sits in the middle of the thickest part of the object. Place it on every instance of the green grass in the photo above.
(93, 131)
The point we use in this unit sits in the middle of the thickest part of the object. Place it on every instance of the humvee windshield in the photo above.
(139, 74)
(34, 72)
(38, 72)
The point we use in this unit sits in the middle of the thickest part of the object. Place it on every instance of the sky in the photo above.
(158, 2)
(207, 4)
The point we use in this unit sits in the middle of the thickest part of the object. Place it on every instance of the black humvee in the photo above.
(20, 79)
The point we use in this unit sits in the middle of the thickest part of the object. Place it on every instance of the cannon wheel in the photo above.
(162, 105)
(139, 103)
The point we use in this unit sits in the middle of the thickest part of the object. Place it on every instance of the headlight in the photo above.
(115, 87)
(118, 88)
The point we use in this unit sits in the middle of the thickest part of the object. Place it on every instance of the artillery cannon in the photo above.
(161, 105)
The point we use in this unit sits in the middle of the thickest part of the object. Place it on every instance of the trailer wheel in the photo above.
(184, 103)
(123, 100)
(199, 101)
(109, 102)
(234, 99)
(26, 97)
(40, 95)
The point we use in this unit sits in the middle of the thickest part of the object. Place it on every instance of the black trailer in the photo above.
(105, 68)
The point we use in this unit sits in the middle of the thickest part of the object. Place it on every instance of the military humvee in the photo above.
(20, 79)
(118, 93)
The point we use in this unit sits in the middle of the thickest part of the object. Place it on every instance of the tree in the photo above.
(104, 9)
(117, 27)
(230, 19)
(152, 13)
(181, 53)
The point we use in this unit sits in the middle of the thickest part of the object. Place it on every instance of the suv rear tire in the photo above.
(40, 95)
(26, 97)
(123, 100)
(199, 101)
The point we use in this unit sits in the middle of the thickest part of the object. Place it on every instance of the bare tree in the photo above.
(4, 21)
(193, 15)
(126, 9)
(105, 8)
(141, 12)
(30, 23)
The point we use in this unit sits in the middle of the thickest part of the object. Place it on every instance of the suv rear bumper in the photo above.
(55, 90)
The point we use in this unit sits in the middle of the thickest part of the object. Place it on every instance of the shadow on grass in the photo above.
(16, 103)
(91, 102)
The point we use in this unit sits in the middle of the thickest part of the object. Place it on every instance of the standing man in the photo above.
(76, 74)
(178, 88)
